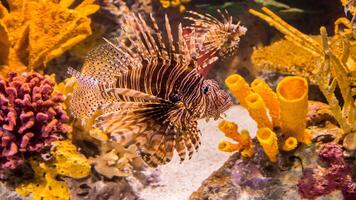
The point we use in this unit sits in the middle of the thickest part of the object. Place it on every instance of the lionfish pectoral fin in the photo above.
(86, 97)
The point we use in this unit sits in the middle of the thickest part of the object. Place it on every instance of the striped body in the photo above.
(148, 91)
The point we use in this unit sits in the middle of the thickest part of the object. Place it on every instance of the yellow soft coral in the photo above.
(292, 93)
(290, 144)
(238, 87)
(268, 140)
(269, 97)
(257, 109)
(66, 161)
(244, 144)
(39, 30)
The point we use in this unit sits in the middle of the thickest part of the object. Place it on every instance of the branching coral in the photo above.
(334, 69)
(34, 32)
(30, 117)
(244, 144)
(336, 176)
(66, 162)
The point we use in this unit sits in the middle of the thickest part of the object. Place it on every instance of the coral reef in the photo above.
(34, 32)
(286, 109)
(334, 68)
(336, 175)
(31, 117)
(66, 161)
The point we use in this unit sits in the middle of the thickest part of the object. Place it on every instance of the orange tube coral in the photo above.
(290, 144)
(268, 140)
(257, 109)
(269, 97)
(238, 87)
(229, 147)
(292, 93)
(229, 129)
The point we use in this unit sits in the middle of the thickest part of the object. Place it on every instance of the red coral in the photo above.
(338, 175)
(30, 117)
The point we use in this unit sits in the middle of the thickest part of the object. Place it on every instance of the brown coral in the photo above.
(33, 32)
(30, 117)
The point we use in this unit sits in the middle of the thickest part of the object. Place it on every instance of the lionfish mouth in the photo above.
(226, 104)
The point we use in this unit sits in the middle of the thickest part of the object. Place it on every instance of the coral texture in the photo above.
(292, 94)
(336, 176)
(66, 161)
(31, 117)
(34, 32)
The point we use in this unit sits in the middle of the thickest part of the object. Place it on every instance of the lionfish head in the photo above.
(215, 100)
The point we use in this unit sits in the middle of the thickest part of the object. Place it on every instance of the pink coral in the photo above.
(337, 175)
(30, 117)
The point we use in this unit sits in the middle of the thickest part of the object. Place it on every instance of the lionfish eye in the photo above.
(206, 89)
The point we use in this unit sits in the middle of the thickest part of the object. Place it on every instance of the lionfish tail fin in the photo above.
(86, 97)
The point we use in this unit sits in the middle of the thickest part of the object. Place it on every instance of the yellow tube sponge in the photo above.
(269, 97)
(257, 109)
(229, 147)
(292, 93)
(238, 87)
(229, 129)
(268, 140)
(290, 144)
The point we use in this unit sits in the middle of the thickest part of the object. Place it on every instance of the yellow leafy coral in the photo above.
(66, 161)
(34, 32)
(244, 144)
(269, 142)
(292, 94)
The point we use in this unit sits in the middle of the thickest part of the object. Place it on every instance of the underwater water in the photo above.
(177, 99)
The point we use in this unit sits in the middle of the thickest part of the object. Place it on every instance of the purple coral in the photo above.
(30, 117)
(337, 175)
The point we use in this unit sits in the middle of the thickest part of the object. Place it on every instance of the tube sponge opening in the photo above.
(292, 93)
(238, 87)
(290, 144)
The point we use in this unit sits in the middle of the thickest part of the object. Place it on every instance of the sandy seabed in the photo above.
(179, 181)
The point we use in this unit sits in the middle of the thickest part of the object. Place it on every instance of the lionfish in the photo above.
(149, 92)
